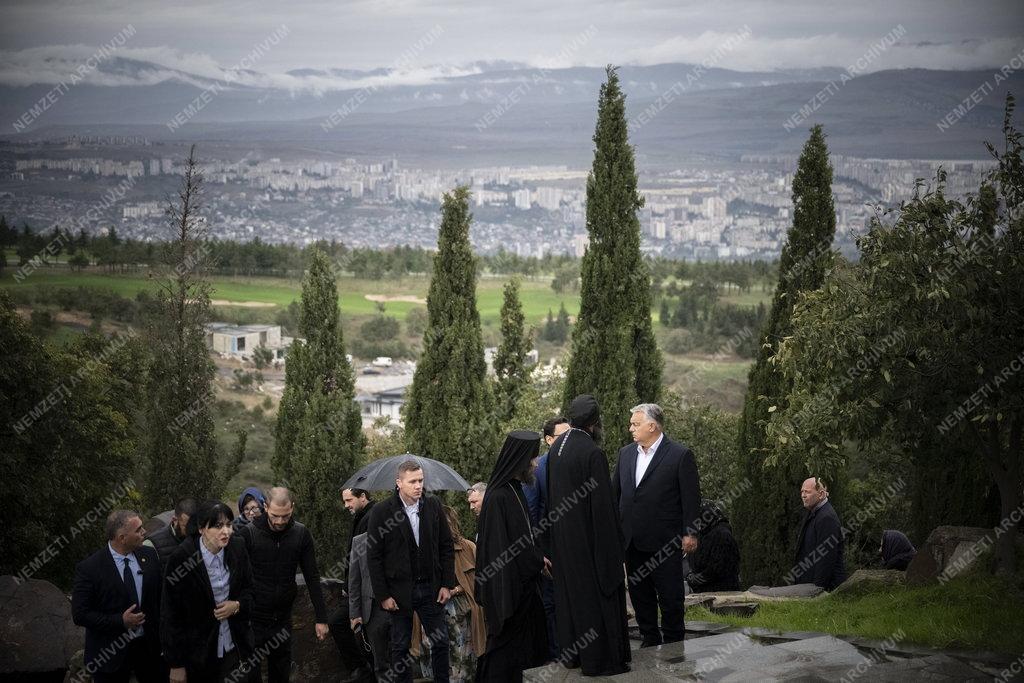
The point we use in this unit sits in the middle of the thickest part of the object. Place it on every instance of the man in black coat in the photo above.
(167, 539)
(819, 546)
(657, 489)
(412, 569)
(715, 566)
(278, 546)
(116, 597)
(359, 504)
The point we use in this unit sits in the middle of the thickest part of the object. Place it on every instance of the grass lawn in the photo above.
(537, 295)
(973, 611)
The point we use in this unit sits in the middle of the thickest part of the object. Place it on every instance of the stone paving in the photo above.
(717, 652)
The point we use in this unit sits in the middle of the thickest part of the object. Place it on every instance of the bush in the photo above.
(416, 322)
(678, 342)
(380, 329)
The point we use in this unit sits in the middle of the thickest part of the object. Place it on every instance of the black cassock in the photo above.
(508, 570)
(585, 545)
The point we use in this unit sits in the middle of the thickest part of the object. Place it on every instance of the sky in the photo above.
(44, 40)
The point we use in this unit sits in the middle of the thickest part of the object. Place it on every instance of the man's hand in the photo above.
(390, 605)
(353, 622)
(133, 619)
(547, 568)
(178, 675)
(226, 609)
(443, 595)
(689, 544)
(321, 631)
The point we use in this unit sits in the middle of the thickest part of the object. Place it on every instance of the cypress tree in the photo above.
(767, 513)
(448, 416)
(318, 436)
(510, 360)
(614, 353)
(180, 442)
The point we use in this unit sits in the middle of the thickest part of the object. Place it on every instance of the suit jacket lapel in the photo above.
(631, 456)
(658, 456)
(118, 574)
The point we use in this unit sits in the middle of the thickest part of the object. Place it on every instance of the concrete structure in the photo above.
(241, 340)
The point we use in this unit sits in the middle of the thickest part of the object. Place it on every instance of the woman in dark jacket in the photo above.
(897, 550)
(715, 565)
(207, 600)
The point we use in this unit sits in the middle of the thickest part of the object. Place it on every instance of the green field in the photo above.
(536, 294)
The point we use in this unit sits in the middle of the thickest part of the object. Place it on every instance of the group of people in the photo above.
(207, 598)
(561, 538)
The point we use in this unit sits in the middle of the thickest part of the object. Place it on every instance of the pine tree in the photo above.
(180, 443)
(448, 416)
(614, 353)
(510, 360)
(318, 437)
(768, 511)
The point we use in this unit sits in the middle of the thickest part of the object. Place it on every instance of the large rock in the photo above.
(36, 630)
(948, 551)
(315, 660)
(867, 580)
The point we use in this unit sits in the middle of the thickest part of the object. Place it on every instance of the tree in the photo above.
(921, 341)
(262, 357)
(180, 442)
(767, 514)
(67, 438)
(614, 353)
(449, 412)
(510, 359)
(318, 438)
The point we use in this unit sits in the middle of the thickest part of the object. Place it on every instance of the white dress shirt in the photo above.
(413, 513)
(643, 458)
(220, 581)
(136, 572)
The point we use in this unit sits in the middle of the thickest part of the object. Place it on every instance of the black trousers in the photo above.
(341, 630)
(656, 580)
(230, 668)
(138, 659)
(378, 634)
(432, 617)
(274, 645)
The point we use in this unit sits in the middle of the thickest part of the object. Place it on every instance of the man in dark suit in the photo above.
(412, 569)
(819, 546)
(116, 597)
(658, 492)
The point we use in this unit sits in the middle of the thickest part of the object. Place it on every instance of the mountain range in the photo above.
(507, 113)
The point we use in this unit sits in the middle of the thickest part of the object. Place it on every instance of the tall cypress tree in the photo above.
(180, 442)
(318, 436)
(510, 360)
(768, 511)
(448, 416)
(614, 353)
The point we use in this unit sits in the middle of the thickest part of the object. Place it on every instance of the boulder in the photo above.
(797, 590)
(948, 551)
(36, 630)
(867, 580)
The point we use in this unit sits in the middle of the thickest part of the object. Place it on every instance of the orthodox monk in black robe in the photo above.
(509, 566)
(585, 544)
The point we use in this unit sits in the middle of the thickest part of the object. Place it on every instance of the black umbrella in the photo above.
(380, 475)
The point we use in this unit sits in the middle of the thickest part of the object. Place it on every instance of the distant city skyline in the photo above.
(423, 41)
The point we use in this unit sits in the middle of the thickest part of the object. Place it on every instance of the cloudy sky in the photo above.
(44, 39)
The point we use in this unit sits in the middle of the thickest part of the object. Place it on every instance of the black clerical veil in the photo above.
(507, 559)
